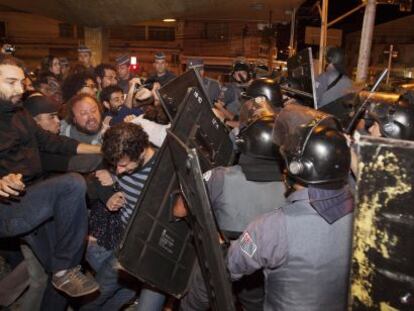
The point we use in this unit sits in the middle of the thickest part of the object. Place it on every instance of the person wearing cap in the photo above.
(44, 111)
(85, 57)
(211, 86)
(333, 83)
(124, 75)
(241, 77)
(162, 74)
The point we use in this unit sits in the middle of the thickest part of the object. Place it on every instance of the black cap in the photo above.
(38, 104)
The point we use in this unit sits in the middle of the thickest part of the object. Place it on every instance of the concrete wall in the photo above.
(36, 36)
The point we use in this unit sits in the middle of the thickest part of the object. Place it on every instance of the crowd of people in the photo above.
(78, 142)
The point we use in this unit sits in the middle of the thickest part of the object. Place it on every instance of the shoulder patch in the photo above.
(247, 245)
(207, 175)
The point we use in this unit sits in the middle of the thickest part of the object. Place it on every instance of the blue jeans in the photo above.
(52, 218)
(114, 294)
(150, 300)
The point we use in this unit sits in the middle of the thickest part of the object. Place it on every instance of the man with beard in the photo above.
(84, 120)
(49, 214)
(162, 74)
(105, 75)
(130, 158)
(45, 113)
(115, 106)
(124, 75)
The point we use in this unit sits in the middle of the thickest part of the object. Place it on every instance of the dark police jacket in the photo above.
(21, 141)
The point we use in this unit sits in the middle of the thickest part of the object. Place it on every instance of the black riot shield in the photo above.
(301, 78)
(201, 219)
(155, 249)
(382, 276)
(172, 94)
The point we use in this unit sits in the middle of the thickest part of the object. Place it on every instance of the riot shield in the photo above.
(201, 219)
(382, 276)
(301, 78)
(343, 108)
(155, 249)
(172, 94)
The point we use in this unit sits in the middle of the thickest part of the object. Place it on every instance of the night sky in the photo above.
(308, 15)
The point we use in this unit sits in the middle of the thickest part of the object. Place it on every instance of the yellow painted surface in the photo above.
(367, 235)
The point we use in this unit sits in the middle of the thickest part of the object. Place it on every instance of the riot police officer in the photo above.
(211, 86)
(269, 88)
(239, 194)
(241, 76)
(393, 120)
(333, 83)
(304, 247)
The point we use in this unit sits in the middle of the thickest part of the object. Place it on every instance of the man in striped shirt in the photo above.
(130, 158)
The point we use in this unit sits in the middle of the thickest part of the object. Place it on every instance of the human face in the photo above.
(55, 67)
(11, 83)
(374, 130)
(240, 76)
(109, 78)
(126, 166)
(89, 88)
(49, 122)
(85, 58)
(160, 66)
(123, 71)
(87, 116)
(116, 101)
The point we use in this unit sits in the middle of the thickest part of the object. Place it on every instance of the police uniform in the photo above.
(212, 88)
(237, 200)
(231, 96)
(166, 76)
(332, 85)
(163, 79)
(305, 258)
(124, 84)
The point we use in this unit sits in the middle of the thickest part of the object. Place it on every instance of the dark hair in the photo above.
(74, 83)
(124, 139)
(100, 70)
(106, 93)
(46, 63)
(156, 114)
(6, 59)
(75, 99)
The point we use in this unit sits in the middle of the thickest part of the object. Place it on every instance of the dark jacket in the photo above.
(21, 141)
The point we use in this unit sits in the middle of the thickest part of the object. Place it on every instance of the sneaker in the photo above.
(74, 283)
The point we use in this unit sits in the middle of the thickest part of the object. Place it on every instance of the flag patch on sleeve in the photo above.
(247, 245)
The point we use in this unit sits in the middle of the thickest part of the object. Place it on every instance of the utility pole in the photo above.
(366, 41)
(292, 33)
(324, 34)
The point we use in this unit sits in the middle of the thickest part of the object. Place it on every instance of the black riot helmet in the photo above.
(312, 144)
(396, 120)
(255, 140)
(241, 65)
(268, 88)
(336, 57)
